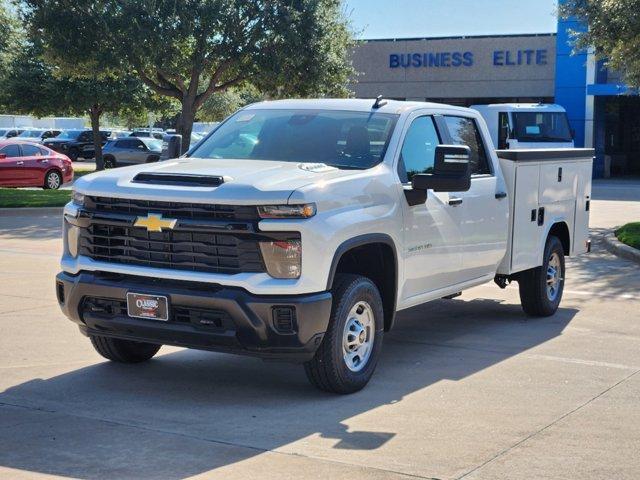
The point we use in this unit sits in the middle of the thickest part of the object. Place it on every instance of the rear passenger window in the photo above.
(419, 149)
(464, 131)
(30, 151)
(11, 151)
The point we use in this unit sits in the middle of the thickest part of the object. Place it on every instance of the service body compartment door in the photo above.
(526, 231)
(583, 204)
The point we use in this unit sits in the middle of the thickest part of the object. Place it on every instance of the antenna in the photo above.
(379, 102)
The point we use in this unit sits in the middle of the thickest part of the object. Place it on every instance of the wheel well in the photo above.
(561, 231)
(377, 262)
(54, 169)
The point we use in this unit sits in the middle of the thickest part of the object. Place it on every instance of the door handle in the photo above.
(455, 201)
(501, 195)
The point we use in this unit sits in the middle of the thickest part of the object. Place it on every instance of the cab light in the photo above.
(283, 259)
(287, 211)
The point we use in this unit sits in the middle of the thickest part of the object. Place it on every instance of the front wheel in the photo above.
(348, 354)
(123, 351)
(541, 288)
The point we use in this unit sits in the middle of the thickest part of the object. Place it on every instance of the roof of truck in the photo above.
(551, 107)
(352, 104)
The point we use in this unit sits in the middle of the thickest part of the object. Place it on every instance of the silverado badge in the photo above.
(155, 223)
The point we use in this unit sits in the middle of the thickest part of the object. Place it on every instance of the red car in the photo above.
(26, 164)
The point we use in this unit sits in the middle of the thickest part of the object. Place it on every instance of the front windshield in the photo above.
(541, 127)
(338, 138)
(72, 134)
(31, 134)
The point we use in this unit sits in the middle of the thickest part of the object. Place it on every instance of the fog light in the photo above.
(73, 239)
(283, 259)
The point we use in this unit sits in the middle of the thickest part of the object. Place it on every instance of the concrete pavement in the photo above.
(466, 388)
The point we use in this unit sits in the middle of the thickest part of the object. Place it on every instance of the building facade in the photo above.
(603, 112)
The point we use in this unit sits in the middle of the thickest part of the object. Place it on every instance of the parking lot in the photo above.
(466, 388)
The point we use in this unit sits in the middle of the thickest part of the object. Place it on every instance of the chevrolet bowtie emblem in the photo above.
(155, 223)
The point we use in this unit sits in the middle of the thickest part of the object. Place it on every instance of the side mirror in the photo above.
(3, 156)
(451, 171)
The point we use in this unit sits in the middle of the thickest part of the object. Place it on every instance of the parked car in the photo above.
(38, 135)
(156, 133)
(27, 164)
(131, 150)
(6, 133)
(76, 143)
(303, 245)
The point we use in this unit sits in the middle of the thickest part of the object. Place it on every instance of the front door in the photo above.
(431, 232)
(12, 173)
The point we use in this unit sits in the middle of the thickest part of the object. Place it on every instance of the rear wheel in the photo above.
(109, 162)
(541, 288)
(348, 354)
(52, 180)
(123, 351)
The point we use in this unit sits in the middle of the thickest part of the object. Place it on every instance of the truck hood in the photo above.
(246, 182)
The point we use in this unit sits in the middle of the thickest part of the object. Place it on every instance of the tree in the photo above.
(613, 31)
(222, 104)
(35, 87)
(189, 50)
(10, 41)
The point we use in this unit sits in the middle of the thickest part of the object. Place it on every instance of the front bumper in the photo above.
(236, 321)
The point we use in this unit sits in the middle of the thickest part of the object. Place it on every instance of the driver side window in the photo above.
(418, 149)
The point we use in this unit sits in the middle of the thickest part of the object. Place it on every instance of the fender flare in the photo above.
(359, 241)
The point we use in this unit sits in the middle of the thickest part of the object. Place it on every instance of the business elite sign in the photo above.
(501, 58)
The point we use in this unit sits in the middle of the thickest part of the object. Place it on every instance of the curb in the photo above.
(30, 211)
(618, 248)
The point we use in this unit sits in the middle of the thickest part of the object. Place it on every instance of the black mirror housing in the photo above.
(451, 171)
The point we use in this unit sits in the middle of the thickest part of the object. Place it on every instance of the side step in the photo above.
(452, 296)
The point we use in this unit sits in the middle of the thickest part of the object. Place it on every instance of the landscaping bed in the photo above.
(629, 234)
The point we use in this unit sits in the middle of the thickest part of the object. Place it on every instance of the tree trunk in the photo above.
(185, 122)
(94, 113)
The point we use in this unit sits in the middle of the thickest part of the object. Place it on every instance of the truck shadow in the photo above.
(187, 412)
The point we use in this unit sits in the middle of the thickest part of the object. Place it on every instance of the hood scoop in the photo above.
(178, 179)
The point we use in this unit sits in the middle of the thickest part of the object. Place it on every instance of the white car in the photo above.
(303, 243)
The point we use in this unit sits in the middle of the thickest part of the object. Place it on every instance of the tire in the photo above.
(73, 154)
(109, 162)
(356, 300)
(123, 351)
(537, 297)
(52, 180)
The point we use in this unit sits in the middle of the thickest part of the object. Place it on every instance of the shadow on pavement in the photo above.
(189, 412)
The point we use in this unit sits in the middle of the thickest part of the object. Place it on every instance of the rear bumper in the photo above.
(202, 316)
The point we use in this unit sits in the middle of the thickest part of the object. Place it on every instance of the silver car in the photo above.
(131, 150)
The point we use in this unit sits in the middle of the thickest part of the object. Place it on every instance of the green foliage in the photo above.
(222, 104)
(189, 50)
(614, 32)
(630, 234)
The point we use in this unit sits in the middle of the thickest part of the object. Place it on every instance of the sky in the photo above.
(448, 18)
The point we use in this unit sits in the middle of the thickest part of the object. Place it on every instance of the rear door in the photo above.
(11, 167)
(431, 231)
(481, 212)
(34, 164)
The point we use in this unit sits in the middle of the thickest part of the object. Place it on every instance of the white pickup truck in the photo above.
(527, 126)
(297, 229)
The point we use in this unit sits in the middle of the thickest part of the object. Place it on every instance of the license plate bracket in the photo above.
(149, 307)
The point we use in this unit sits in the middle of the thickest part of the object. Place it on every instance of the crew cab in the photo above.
(76, 143)
(522, 126)
(297, 229)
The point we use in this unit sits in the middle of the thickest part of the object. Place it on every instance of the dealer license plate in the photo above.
(151, 307)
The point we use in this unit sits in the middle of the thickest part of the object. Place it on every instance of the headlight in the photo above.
(287, 211)
(78, 199)
(283, 259)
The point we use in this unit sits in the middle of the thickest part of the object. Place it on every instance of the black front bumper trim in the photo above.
(252, 330)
